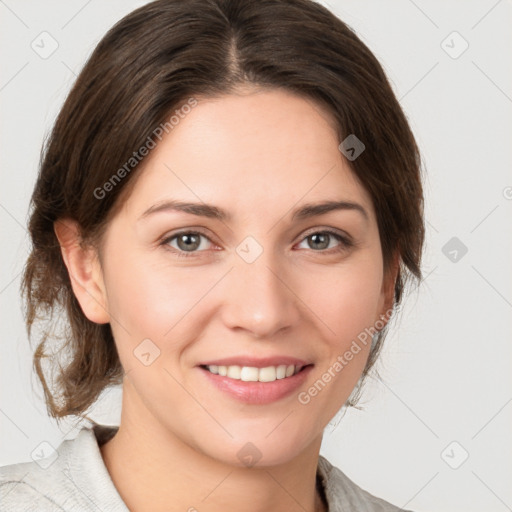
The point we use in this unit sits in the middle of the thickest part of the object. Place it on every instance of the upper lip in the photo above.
(256, 362)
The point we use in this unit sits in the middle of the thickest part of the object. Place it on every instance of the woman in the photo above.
(227, 210)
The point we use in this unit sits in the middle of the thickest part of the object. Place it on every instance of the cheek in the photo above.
(153, 300)
(346, 299)
(347, 303)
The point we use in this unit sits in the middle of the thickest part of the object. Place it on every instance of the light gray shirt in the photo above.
(75, 479)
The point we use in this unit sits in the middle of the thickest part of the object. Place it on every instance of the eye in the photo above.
(320, 241)
(187, 242)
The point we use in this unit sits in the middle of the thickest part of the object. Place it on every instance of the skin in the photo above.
(259, 155)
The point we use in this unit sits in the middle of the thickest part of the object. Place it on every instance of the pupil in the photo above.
(190, 241)
(323, 240)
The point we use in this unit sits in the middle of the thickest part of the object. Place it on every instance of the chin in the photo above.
(260, 447)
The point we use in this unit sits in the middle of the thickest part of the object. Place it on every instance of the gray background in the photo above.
(446, 366)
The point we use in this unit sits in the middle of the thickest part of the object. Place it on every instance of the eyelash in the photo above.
(345, 242)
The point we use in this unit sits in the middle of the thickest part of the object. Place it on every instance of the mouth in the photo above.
(256, 374)
(256, 380)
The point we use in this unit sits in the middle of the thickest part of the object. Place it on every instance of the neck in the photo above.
(153, 469)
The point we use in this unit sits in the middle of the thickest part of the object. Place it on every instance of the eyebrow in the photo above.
(311, 210)
(207, 210)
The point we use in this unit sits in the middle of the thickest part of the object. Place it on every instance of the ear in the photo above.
(388, 288)
(84, 270)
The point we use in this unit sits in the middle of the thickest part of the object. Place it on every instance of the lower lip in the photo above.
(258, 393)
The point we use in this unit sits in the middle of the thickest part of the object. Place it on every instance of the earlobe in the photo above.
(84, 270)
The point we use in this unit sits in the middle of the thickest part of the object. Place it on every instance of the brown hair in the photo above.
(146, 66)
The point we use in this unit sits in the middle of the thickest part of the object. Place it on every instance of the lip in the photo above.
(257, 393)
(255, 362)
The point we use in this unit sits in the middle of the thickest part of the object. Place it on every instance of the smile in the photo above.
(253, 374)
(256, 385)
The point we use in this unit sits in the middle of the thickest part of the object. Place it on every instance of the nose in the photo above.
(260, 298)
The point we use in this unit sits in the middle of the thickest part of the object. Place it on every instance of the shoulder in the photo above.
(343, 494)
(70, 478)
(35, 485)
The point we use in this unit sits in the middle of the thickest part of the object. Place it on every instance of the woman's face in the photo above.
(259, 286)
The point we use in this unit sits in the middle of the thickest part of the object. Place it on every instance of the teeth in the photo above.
(268, 374)
(252, 374)
(249, 374)
(281, 371)
(290, 370)
(234, 372)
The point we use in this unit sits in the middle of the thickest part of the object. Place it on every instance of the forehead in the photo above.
(260, 149)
